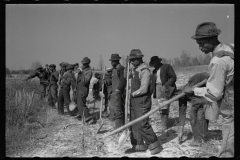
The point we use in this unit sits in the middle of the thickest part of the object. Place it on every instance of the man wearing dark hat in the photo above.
(53, 86)
(163, 82)
(43, 77)
(64, 93)
(140, 104)
(116, 106)
(220, 84)
(63, 66)
(83, 82)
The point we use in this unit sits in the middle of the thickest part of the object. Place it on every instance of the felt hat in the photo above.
(70, 66)
(135, 53)
(206, 29)
(52, 65)
(115, 56)
(85, 60)
(154, 60)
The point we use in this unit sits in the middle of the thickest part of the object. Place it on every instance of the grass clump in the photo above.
(23, 105)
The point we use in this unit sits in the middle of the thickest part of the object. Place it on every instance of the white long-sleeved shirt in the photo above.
(220, 70)
(144, 77)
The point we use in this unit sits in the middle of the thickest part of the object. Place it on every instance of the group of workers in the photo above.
(217, 94)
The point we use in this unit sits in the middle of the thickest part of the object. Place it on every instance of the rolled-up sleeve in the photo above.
(145, 81)
(215, 83)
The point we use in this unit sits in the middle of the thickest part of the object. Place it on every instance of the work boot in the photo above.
(137, 148)
(78, 117)
(105, 113)
(155, 148)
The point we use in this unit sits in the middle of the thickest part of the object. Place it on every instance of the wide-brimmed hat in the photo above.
(154, 61)
(115, 56)
(52, 65)
(135, 53)
(206, 29)
(70, 66)
(61, 64)
(85, 60)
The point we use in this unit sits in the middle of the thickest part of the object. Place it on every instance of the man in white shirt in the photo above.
(220, 84)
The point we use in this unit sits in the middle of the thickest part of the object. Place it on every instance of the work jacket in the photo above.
(168, 78)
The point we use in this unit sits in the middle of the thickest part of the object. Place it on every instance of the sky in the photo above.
(55, 33)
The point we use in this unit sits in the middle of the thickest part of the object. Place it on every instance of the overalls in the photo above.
(142, 131)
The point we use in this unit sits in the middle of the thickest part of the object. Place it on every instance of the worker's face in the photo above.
(205, 45)
(76, 67)
(114, 63)
(135, 62)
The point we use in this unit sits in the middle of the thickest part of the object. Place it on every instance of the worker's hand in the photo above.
(188, 90)
(162, 100)
(101, 94)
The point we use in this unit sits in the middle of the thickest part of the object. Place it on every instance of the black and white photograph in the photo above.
(119, 80)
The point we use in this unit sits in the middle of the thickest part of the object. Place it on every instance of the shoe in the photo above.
(156, 150)
(133, 150)
(105, 114)
(88, 119)
(78, 117)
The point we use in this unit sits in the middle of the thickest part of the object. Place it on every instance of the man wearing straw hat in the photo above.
(220, 84)
(116, 105)
(142, 135)
(64, 93)
(83, 82)
(163, 81)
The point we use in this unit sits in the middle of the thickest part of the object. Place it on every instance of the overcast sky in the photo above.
(70, 32)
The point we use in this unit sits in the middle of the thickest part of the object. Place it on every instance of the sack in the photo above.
(211, 111)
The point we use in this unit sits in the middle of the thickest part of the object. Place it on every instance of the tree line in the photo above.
(184, 60)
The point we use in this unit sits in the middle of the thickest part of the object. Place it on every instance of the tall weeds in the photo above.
(22, 104)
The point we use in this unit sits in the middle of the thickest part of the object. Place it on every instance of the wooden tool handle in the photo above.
(102, 92)
(126, 99)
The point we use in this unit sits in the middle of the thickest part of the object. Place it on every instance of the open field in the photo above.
(40, 132)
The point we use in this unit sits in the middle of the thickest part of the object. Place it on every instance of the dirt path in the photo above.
(64, 138)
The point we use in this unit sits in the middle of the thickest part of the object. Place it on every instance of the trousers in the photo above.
(198, 122)
(43, 90)
(227, 147)
(52, 95)
(142, 131)
(116, 106)
(64, 98)
(81, 102)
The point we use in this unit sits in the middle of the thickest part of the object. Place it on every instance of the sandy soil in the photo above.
(68, 137)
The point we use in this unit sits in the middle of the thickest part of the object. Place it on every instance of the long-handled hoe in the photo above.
(101, 120)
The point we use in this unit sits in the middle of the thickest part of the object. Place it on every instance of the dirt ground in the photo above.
(66, 136)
